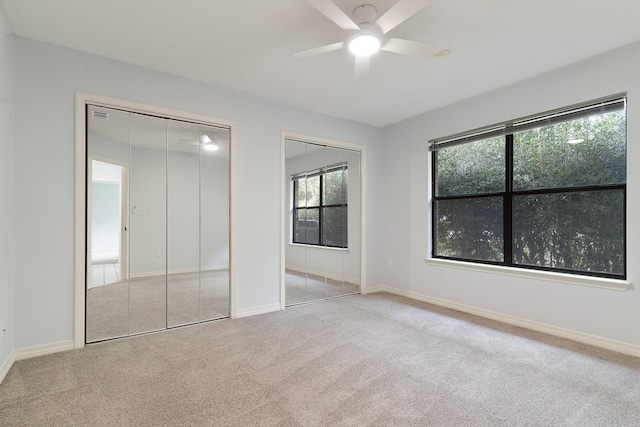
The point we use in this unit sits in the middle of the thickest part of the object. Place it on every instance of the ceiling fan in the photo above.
(208, 143)
(366, 34)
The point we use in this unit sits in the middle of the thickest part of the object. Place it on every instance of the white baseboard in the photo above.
(352, 280)
(178, 271)
(27, 353)
(6, 366)
(375, 289)
(41, 350)
(596, 341)
(258, 310)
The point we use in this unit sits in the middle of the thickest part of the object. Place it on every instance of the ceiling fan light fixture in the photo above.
(208, 144)
(364, 44)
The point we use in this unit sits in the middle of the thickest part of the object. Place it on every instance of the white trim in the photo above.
(550, 276)
(6, 366)
(321, 141)
(178, 271)
(257, 310)
(41, 350)
(375, 289)
(82, 99)
(283, 217)
(363, 216)
(284, 135)
(319, 247)
(80, 222)
(596, 341)
(233, 259)
(352, 280)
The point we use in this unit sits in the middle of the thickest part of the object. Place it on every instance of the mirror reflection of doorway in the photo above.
(157, 223)
(322, 218)
(107, 240)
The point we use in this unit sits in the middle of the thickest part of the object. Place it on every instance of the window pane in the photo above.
(470, 228)
(335, 187)
(300, 196)
(306, 226)
(577, 231)
(587, 151)
(307, 191)
(313, 190)
(473, 168)
(334, 223)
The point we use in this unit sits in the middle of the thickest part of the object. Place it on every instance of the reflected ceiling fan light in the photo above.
(575, 141)
(364, 44)
(208, 144)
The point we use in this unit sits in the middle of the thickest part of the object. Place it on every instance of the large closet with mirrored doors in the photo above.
(157, 223)
(322, 216)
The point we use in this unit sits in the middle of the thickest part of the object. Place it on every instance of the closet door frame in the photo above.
(284, 189)
(82, 99)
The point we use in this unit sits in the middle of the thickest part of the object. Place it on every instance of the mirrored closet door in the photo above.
(322, 247)
(157, 223)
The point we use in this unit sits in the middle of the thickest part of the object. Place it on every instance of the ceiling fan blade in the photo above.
(319, 50)
(399, 13)
(409, 47)
(333, 12)
(362, 67)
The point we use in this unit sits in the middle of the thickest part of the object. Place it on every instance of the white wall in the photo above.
(609, 314)
(7, 218)
(46, 80)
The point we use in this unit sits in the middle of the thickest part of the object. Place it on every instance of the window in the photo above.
(544, 192)
(320, 207)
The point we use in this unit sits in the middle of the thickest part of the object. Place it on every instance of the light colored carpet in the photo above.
(364, 360)
(157, 302)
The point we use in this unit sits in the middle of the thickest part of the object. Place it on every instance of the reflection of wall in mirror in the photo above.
(214, 172)
(316, 260)
(147, 227)
(148, 192)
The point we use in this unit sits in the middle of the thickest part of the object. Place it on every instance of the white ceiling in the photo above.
(248, 45)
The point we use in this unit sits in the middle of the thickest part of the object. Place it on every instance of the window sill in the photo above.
(319, 248)
(571, 279)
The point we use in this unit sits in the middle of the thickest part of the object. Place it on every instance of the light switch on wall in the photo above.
(137, 211)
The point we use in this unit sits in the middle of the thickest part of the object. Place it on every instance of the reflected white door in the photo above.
(106, 231)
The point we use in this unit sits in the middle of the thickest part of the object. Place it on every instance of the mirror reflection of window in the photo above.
(320, 207)
(322, 251)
